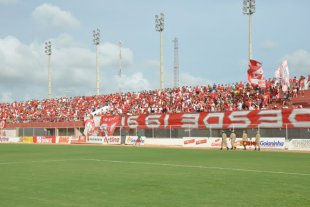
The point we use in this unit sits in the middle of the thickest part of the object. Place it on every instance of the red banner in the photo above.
(44, 139)
(108, 124)
(291, 118)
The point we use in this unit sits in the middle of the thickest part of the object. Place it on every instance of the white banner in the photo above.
(299, 144)
(215, 142)
(272, 142)
(5, 139)
(132, 140)
(104, 140)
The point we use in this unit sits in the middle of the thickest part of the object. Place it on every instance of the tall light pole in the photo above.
(48, 52)
(96, 40)
(176, 64)
(120, 66)
(159, 26)
(249, 9)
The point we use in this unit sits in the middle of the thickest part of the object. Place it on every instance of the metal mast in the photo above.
(159, 26)
(48, 52)
(249, 9)
(176, 78)
(96, 40)
(120, 66)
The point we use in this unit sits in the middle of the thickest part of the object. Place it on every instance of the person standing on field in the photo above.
(138, 141)
(257, 141)
(244, 139)
(224, 140)
(233, 140)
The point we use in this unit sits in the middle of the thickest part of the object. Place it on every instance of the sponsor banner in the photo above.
(299, 144)
(215, 142)
(27, 139)
(5, 139)
(272, 142)
(196, 142)
(63, 140)
(104, 140)
(44, 139)
(79, 140)
(290, 118)
(95, 140)
(132, 140)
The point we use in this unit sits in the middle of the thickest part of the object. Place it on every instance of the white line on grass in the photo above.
(39, 161)
(199, 166)
(160, 164)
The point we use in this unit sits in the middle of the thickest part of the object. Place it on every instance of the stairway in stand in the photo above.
(303, 100)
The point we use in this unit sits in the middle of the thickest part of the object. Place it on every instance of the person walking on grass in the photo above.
(244, 139)
(224, 140)
(138, 141)
(233, 140)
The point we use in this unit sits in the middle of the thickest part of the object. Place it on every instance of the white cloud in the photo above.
(7, 2)
(187, 79)
(134, 82)
(270, 45)
(23, 69)
(51, 16)
(110, 54)
(299, 62)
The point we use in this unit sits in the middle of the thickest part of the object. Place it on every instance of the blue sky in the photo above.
(213, 43)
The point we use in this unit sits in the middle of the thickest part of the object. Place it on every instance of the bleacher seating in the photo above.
(211, 98)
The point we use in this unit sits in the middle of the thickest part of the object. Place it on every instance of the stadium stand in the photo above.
(211, 98)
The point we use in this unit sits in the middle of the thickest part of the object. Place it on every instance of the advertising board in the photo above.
(44, 139)
(299, 144)
(5, 139)
(104, 140)
(132, 140)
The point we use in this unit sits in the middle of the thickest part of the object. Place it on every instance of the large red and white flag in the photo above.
(108, 124)
(282, 73)
(256, 74)
(2, 124)
(89, 126)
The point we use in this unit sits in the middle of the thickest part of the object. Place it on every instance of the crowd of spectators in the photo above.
(210, 98)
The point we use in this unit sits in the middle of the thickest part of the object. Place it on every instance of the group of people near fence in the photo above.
(245, 140)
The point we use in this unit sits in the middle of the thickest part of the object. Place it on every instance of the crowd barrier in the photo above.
(278, 143)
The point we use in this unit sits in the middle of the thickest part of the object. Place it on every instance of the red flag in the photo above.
(108, 124)
(256, 74)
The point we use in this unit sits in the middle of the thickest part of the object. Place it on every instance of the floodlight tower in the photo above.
(120, 66)
(48, 52)
(96, 40)
(249, 9)
(159, 26)
(176, 64)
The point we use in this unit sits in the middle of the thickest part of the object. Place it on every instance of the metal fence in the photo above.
(172, 132)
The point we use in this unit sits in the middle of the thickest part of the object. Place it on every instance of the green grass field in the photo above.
(60, 175)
